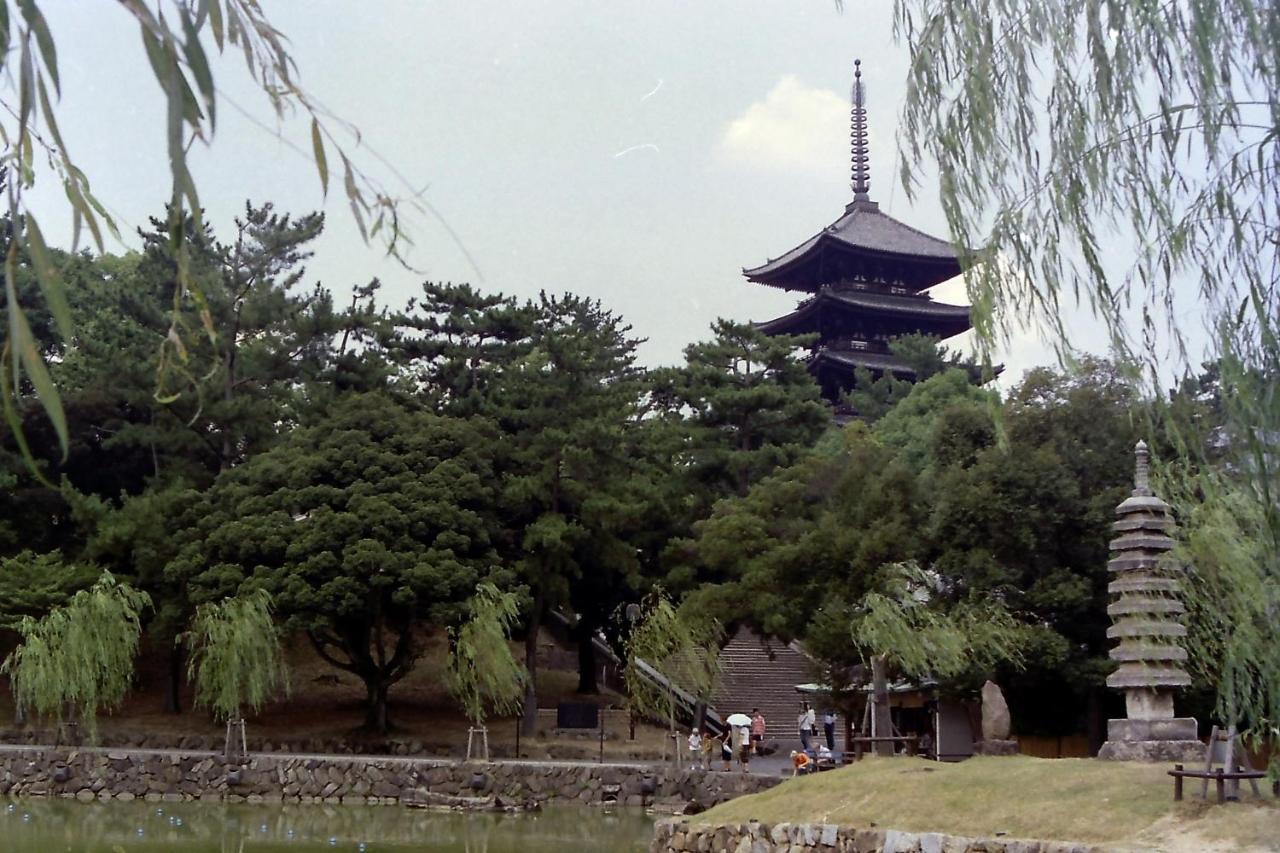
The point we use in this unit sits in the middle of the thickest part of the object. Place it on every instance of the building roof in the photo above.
(864, 229)
(889, 248)
(852, 359)
(941, 317)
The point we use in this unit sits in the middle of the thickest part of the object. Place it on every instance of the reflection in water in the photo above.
(45, 826)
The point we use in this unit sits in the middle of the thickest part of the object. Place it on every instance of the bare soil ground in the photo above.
(326, 704)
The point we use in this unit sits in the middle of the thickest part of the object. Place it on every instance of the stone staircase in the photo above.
(758, 673)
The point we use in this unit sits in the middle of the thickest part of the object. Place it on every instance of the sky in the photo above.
(641, 153)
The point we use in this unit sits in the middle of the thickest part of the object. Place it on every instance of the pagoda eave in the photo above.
(849, 360)
(913, 314)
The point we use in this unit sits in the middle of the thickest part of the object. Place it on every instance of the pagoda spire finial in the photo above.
(858, 138)
(1142, 468)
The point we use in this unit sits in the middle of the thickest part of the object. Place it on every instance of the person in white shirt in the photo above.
(744, 746)
(695, 746)
(808, 724)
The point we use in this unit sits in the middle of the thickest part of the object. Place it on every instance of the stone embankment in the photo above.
(173, 776)
(682, 836)
(577, 748)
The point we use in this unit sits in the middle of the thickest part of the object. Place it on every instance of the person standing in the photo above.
(804, 720)
(709, 747)
(829, 728)
(744, 747)
(695, 747)
(726, 748)
(757, 730)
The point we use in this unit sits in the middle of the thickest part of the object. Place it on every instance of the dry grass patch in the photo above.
(1077, 799)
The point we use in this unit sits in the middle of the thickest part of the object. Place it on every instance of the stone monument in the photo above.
(996, 724)
(1146, 616)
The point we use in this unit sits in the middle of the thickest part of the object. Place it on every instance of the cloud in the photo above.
(795, 129)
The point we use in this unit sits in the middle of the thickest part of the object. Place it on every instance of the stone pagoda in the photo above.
(1146, 621)
(867, 276)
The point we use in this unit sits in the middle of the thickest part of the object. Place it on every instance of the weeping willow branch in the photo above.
(236, 657)
(79, 657)
(483, 675)
(181, 40)
(1126, 157)
(682, 647)
(902, 626)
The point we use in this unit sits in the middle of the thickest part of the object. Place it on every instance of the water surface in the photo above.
(50, 826)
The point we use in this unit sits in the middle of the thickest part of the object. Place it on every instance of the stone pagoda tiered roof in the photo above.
(1146, 613)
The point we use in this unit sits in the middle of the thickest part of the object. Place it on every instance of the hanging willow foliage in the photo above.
(1126, 157)
(483, 675)
(901, 626)
(679, 646)
(182, 40)
(237, 661)
(79, 657)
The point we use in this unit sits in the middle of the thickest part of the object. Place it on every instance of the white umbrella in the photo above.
(738, 720)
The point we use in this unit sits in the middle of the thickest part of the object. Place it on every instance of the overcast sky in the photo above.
(638, 152)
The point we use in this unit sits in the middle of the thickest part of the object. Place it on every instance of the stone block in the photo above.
(1164, 751)
(1172, 728)
(869, 840)
(896, 841)
(931, 842)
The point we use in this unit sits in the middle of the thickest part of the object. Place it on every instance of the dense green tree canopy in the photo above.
(366, 528)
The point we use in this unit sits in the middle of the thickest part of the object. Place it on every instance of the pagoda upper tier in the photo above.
(867, 274)
(863, 246)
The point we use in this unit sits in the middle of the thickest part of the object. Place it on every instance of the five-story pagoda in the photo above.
(868, 275)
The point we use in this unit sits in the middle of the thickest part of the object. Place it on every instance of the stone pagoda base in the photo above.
(1169, 739)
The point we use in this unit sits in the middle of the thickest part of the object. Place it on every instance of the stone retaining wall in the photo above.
(176, 776)
(682, 836)
(575, 749)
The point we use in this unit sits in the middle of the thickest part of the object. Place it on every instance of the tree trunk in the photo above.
(173, 682)
(529, 723)
(587, 675)
(375, 719)
(881, 722)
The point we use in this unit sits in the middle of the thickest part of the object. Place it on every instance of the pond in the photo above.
(50, 826)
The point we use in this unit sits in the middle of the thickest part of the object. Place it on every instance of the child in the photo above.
(695, 747)
(726, 748)
(799, 762)
(709, 747)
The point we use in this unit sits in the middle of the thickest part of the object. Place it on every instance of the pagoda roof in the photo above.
(939, 315)
(852, 359)
(865, 230)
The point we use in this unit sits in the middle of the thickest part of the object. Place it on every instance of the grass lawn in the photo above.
(1121, 804)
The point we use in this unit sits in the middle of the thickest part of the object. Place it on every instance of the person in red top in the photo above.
(757, 730)
(800, 762)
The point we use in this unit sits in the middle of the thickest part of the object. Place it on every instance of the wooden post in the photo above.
(1221, 785)
(1177, 784)
(1229, 762)
(1208, 763)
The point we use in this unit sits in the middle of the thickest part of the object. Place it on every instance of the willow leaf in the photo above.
(51, 285)
(44, 40)
(322, 164)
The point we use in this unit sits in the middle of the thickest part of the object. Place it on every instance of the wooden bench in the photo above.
(860, 742)
(1220, 778)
